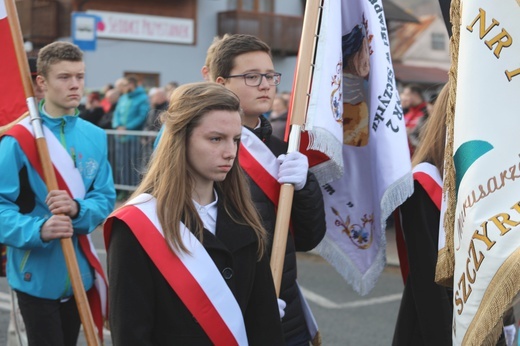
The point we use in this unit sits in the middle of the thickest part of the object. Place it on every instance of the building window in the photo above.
(248, 5)
(438, 41)
(252, 5)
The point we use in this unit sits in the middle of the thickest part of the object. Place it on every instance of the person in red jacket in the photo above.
(416, 115)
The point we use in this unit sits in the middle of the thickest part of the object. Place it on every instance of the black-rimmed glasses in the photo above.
(255, 79)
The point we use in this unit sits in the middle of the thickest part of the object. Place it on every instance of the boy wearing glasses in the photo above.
(243, 64)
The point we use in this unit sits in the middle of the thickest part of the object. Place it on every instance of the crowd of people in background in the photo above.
(100, 106)
(127, 105)
(416, 110)
(124, 106)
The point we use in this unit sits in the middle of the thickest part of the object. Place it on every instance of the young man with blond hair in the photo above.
(35, 219)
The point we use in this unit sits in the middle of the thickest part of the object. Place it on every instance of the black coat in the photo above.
(93, 115)
(308, 224)
(144, 309)
(278, 125)
(425, 315)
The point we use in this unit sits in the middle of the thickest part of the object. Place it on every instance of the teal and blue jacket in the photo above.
(131, 110)
(36, 267)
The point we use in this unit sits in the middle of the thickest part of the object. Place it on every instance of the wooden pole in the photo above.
(300, 99)
(49, 175)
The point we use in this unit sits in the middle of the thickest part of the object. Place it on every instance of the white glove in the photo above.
(509, 333)
(293, 169)
(281, 307)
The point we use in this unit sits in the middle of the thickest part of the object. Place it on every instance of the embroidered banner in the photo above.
(487, 165)
(359, 86)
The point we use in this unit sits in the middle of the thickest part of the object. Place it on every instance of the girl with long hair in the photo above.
(425, 314)
(186, 255)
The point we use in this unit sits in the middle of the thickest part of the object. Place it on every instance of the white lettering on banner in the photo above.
(144, 27)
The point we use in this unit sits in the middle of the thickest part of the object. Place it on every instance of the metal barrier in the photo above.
(128, 154)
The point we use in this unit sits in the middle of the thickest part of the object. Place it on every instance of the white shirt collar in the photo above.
(208, 213)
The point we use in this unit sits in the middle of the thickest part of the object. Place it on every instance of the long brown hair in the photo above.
(169, 179)
(433, 135)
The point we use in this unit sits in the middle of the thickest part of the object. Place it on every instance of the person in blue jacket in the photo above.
(130, 114)
(34, 219)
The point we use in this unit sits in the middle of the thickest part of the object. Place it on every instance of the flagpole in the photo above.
(298, 111)
(49, 175)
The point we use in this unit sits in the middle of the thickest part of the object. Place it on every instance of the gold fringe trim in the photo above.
(443, 270)
(446, 262)
(492, 337)
(316, 341)
(486, 326)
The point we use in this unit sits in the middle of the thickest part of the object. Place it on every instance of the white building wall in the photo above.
(289, 7)
(174, 62)
(421, 52)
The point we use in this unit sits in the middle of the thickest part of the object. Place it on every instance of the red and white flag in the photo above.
(12, 97)
(354, 112)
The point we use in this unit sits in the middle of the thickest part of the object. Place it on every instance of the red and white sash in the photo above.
(430, 179)
(262, 167)
(260, 164)
(194, 277)
(70, 180)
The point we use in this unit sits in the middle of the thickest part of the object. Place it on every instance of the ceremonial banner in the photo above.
(12, 97)
(486, 233)
(356, 92)
(323, 139)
